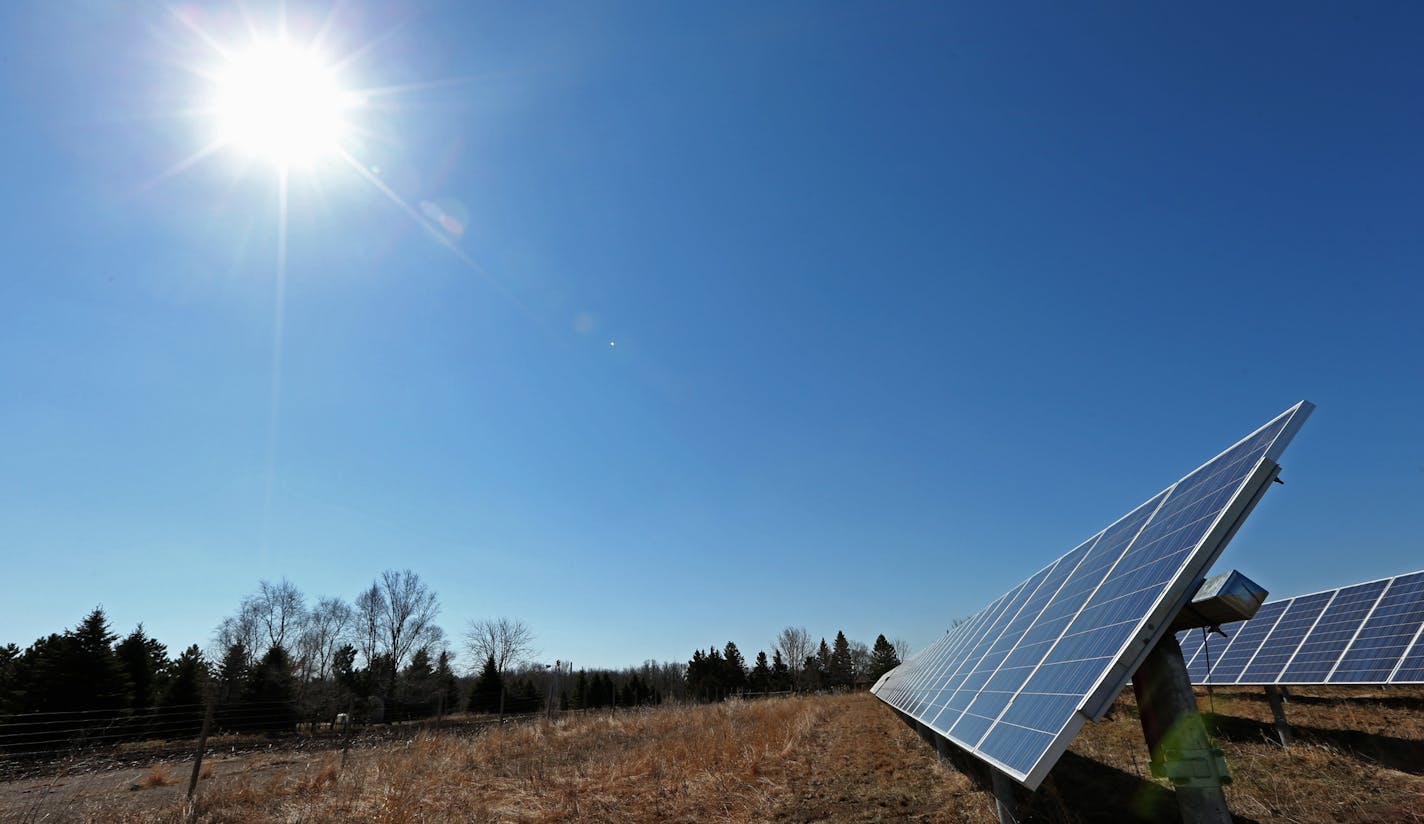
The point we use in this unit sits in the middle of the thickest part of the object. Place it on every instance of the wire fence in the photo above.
(85, 741)
(43, 743)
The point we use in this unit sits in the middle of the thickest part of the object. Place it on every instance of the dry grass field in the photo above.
(1359, 758)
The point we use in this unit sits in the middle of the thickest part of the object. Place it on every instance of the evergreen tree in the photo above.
(716, 683)
(144, 661)
(735, 667)
(600, 690)
(696, 677)
(579, 699)
(417, 687)
(233, 676)
(523, 697)
(882, 658)
(37, 677)
(760, 678)
(181, 703)
(839, 668)
(780, 673)
(484, 695)
(447, 685)
(343, 669)
(9, 655)
(271, 693)
(187, 676)
(95, 678)
(812, 677)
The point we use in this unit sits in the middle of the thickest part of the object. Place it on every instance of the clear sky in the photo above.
(740, 315)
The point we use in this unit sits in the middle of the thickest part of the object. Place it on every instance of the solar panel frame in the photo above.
(1405, 668)
(1409, 586)
(1137, 608)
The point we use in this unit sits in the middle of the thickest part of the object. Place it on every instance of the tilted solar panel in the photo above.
(1360, 634)
(1015, 683)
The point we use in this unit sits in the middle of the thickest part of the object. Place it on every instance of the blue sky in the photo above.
(906, 303)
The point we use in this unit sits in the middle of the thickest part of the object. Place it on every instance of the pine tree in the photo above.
(735, 667)
(839, 669)
(417, 686)
(232, 669)
(484, 695)
(882, 658)
(760, 678)
(181, 697)
(187, 676)
(96, 679)
(232, 679)
(446, 683)
(144, 661)
(780, 673)
(9, 655)
(579, 699)
(818, 667)
(38, 678)
(271, 692)
(343, 669)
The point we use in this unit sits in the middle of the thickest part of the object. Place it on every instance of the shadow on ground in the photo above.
(1402, 754)
(1083, 790)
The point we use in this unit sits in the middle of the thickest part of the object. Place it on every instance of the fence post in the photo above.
(202, 746)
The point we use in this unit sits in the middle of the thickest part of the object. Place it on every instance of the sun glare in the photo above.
(281, 104)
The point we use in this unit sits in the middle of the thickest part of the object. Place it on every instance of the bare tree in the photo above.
(859, 663)
(328, 624)
(408, 621)
(272, 616)
(902, 648)
(242, 628)
(794, 644)
(280, 609)
(370, 607)
(507, 640)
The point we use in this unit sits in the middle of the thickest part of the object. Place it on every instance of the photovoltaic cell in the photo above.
(1327, 640)
(1411, 669)
(1014, 683)
(1245, 644)
(1386, 635)
(1190, 640)
(1300, 616)
(1361, 634)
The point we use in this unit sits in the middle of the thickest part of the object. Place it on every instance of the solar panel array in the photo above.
(1370, 633)
(1013, 684)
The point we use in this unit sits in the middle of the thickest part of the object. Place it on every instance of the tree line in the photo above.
(793, 666)
(282, 658)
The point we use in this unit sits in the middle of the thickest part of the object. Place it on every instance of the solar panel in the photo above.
(1015, 683)
(1360, 634)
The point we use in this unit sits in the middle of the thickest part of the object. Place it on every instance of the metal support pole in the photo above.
(1283, 730)
(1177, 738)
(1004, 802)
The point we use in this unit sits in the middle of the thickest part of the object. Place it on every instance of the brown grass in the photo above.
(157, 776)
(804, 759)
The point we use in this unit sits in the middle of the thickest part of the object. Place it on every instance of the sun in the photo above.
(281, 104)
